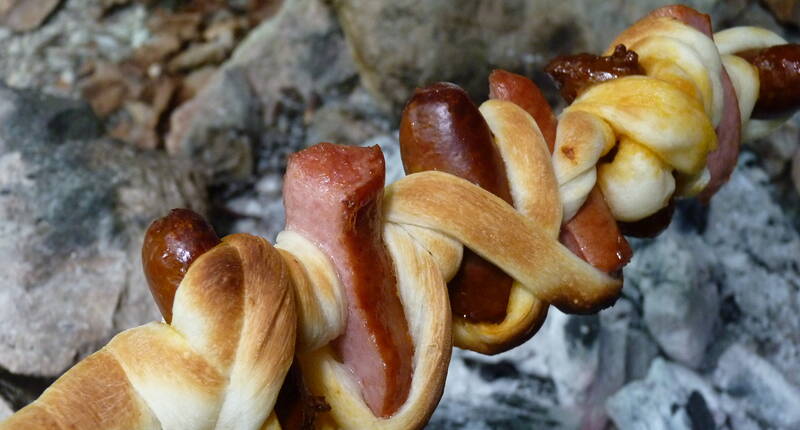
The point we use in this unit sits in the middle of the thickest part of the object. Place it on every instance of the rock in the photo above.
(404, 44)
(218, 129)
(787, 11)
(201, 54)
(757, 388)
(106, 88)
(757, 248)
(195, 82)
(264, 100)
(670, 397)
(776, 152)
(498, 392)
(5, 409)
(157, 49)
(26, 15)
(73, 211)
(612, 365)
(346, 121)
(680, 298)
(796, 170)
(640, 353)
(184, 26)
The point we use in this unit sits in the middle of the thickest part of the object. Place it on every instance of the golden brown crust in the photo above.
(220, 363)
(534, 191)
(424, 296)
(520, 246)
(99, 396)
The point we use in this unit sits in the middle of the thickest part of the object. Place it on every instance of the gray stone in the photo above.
(680, 299)
(796, 171)
(5, 409)
(758, 390)
(641, 351)
(499, 392)
(51, 57)
(73, 210)
(289, 84)
(404, 44)
(227, 120)
(662, 400)
(612, 364)
(26, 15)
(758, 251)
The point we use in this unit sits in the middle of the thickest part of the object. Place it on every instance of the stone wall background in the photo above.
(707, 334)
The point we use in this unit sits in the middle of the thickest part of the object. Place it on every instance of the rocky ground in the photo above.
(706, 334)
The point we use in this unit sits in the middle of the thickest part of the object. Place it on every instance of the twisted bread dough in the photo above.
(428, 218)
(221, 362)
(218, 365)
(661, 124)
(322, 313)
(744, 75)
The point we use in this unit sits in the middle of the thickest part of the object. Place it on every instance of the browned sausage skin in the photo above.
(333, 196)
(779, 76)
(441, 129)
(171, 245)
(575, 73)
(524, 93)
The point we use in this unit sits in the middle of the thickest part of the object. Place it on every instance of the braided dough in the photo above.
(219, 365)
(662, 124)
(244, 306)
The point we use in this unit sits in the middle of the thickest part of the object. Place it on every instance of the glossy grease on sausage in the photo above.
(170, 246)
(779, 80)
(441, 129)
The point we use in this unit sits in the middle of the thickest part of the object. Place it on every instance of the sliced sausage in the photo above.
(441, 129)
(597, 235)
(332, 195)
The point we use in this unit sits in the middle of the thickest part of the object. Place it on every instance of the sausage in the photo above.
(172, 243)
(524, 93)
(592, 234)
(779, 76)
(170, 246)
(721, 161)
(651, 226)
(699, 21)
(333, 195)
(441, 129)
(296, 407)
(596, 234)
(575, 73)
